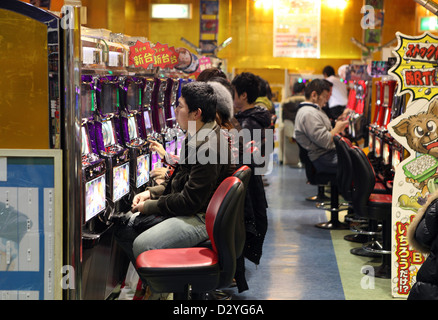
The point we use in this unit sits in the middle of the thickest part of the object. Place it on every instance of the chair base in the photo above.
(317, 198)
(333, 224)
(367, 229)
(329, 207)
(376, 247)
(364, 253)
(384, 270)
(358, 238)
(320, 197)
(218, 295)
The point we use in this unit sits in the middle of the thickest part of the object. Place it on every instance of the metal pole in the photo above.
(71, 140)
(429, 5)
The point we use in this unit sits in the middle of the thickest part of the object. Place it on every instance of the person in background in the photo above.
(313, 129)
(209, 73)
(290, 104)
(251, 118)
(423, 237)
(339, 95)
(289, 109)
(265, 95)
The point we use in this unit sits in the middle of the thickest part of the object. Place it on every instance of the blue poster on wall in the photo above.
(27, 233)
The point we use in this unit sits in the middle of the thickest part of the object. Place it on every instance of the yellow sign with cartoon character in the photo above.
(416, 177)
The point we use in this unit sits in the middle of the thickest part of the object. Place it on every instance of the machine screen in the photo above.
(378, 95)
(132, 96)
(94, 197)
(147, 120)
(87, 101)
(386, 95)
(142, 170)
(161, 118)
(396, 158)
(120, 181)
(132, 127)
(179, 144)
(109, 138)
(370, 142)
(109, 98)
(155, 161)
(85, 142)
(149, 87)
(378, 147)
(386, 154)
(170, 147)
(161, 94)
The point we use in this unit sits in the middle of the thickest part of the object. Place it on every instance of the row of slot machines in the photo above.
(357, 100)
(385, 153)
(119, 115)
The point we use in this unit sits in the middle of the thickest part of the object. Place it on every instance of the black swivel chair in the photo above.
(365, 230)
(317, 178)
(373, 206)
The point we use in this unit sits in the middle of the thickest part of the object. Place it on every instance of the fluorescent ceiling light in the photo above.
(171, 11)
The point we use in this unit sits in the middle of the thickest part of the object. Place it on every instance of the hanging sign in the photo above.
(416, 130)
(415, 68)
(160, 55)
(297, 29)
(141, 54)
(163, 56)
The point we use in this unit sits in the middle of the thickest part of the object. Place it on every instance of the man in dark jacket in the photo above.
(254, 120)
(204, 163)
(423, 237)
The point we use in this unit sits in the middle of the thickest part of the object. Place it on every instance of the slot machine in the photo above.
(171, 101)
(93, 167)
(357, 118)
(146, 127)
(373, 125)
(378, 113)
(109, 147)
(149, 127)
(180, 134)
(395, 151)
(157, 106)
(351, 103)
(381, 134)
(130, 116)
(161, 132)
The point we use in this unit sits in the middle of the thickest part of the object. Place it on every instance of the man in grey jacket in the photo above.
(313, 130)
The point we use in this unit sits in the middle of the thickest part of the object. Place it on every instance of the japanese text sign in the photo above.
(417, 58)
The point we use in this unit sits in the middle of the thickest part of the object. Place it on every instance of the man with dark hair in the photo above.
(339, 95)
(313, 130)
(182, 200)
(252, 118)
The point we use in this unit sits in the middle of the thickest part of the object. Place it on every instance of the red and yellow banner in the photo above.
(143, 55)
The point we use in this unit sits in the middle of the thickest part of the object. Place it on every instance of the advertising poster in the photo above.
(297, 25)
(416, 129)
(30, 225)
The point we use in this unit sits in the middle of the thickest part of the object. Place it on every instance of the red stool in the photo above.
(198, 270)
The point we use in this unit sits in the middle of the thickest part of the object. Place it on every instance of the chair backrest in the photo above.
(364, 180)
(344, 174)
(308, 165)
(314, 177)
(220, 220)
(244, 174)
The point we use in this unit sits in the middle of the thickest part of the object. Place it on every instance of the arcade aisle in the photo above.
(300, 261)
